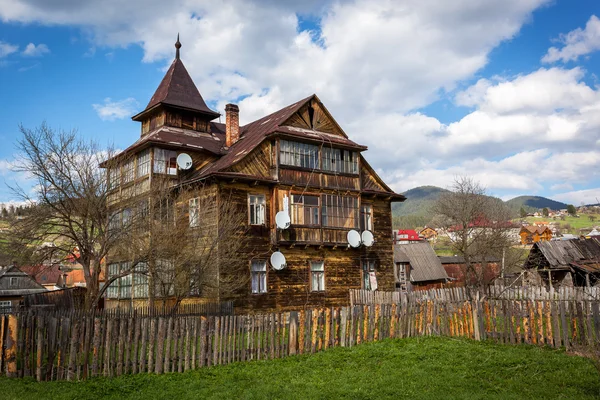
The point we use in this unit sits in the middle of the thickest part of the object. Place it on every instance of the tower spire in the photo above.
(177, 46)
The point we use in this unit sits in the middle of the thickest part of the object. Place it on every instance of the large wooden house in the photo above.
(532, 234)
(296, 159)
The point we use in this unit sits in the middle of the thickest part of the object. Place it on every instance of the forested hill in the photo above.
(534, 203)
(416, 210)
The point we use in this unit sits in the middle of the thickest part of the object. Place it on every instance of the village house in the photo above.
(456, 268)
(405, 236)
(298, 161)
(417, 267)
(532, 234)
(14, 285)
(428, 233)
(564, 263)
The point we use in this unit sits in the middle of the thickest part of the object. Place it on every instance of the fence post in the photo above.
(293, 333)
(11, 347)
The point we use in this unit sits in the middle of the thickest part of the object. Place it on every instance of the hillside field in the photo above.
(415, 368)
(574, 223)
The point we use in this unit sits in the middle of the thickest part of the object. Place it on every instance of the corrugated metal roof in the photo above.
(425, 264)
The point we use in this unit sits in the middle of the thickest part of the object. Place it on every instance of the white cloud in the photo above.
(31, 50)
(578, 197)
(112, 110)
(7, 48)
(577, 43)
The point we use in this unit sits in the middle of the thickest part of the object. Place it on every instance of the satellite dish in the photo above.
(282, 220)
(278, 261)
(354, 238)
(367, 238)
(184, 161)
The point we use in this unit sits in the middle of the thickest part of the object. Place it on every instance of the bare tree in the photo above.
(69, 219)
(479, 229)
(186, 241)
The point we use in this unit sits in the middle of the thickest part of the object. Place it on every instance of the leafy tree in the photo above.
(571, 210)
(523, 212)
(545, 211)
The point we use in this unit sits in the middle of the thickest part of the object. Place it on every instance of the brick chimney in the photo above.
(232, 124)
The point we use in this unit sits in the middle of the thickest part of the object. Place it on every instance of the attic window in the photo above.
(14, 282)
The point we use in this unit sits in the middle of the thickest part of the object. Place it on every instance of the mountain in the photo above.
(418, 201)
(415, 210)
(534, 203)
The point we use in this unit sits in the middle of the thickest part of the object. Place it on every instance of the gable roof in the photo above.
(535, 229)
(425, 264)
(27, 284)
(412, 234)
(178, 89)
(583, 254)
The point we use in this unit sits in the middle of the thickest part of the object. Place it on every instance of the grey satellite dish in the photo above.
(282, 220)
(278, 261)
(367, 238)
(354, 238)
(184, 161)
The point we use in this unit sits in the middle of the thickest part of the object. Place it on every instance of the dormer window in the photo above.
(165, 162)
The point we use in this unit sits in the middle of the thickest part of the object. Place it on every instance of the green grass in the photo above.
(426, 368)
(583, 222)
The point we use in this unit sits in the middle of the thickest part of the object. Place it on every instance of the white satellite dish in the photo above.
(278, 261)
(282, 220)
(367, 238)
(354, 238)
(184, 161)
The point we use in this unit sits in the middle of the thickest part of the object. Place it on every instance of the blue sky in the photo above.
(436, 89)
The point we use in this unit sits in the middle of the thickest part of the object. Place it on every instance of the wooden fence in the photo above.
(72, 346)
(367, 297)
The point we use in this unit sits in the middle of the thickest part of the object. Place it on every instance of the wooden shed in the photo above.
(417, 267)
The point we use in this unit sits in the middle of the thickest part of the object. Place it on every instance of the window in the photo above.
(299, 154)
(140, 281)
(256, 209)
(338, 160)
(114, 177)
(143, 163)
(14, 282)
(366, 217)
(258, 270)
(317, 276)
(125, 282)
(305, 210)
(368, 274)
(112, 292)
(339, 211)
(129, 170)
(194, 212)
(5, 306)
(126, 221)
(165, 162)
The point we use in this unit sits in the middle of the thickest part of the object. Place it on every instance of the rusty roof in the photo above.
(425, 264)
(178, 89)
(582, 254)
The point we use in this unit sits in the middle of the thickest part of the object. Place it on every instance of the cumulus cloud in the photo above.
(7, 48)
(577, 43)
(31, 50)
(577, 197)
(374, 64)
(111, 110)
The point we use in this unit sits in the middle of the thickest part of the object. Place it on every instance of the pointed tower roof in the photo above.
(177, 89)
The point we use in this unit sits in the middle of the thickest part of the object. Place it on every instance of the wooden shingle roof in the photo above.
(581, 254)
(425, 264)
(177, 89)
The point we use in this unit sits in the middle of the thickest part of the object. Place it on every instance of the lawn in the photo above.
(425, 368)
(574, 224)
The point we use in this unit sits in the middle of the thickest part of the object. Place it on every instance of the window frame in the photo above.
(194, 212)
(366, 224)
(297, 205)
(13, 279)
(317, 275)
(262, 286)
(166, 165)
(367, 266)
(144, 162)
(254, 210)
